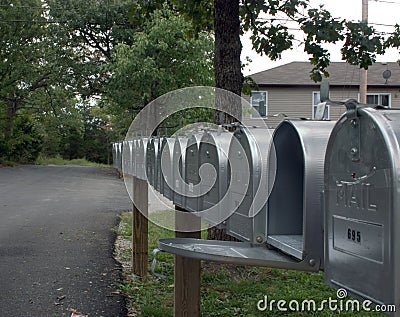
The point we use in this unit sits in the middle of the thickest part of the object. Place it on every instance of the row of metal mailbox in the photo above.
(227, 178)
(327, 193)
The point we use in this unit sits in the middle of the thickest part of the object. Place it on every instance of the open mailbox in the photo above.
(285, 231)
(213, 161)
(362, 205)
(295, 216)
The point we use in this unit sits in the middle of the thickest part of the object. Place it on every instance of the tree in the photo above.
(271, 36)
(162, 59)
(23, 70)
(87, 32)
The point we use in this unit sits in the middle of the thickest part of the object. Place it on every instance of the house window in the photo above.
(259, 102)
(379, 99)
(316, 97)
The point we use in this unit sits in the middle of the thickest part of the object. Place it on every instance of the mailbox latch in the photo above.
(355, 139)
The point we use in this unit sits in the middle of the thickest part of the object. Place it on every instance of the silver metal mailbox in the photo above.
(141, 158)
(178, 163)
(213, 159)
(129, 168)
(287, 231)
(125, 157)
(157, 147)
(166, 171)
(295, 217)
(119, 156)
(248, 154)
(135, 147)
(192, 177)
(362, 205)
(114, 154)
(151, 161)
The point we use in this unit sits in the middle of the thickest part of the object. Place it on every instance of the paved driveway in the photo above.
(56, 241)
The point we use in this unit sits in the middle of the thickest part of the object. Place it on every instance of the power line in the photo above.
(385, 1)
(382, 24)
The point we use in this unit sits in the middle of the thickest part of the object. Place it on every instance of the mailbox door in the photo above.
(295, 219)
(361, 206)
(192, 177)
(178, 166)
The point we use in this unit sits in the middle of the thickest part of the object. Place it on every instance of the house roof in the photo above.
(341, 74)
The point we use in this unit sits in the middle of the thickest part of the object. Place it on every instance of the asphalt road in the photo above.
(56, 241)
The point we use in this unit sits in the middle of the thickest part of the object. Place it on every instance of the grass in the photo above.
(4, 162)
(226, 290)
(60, 161)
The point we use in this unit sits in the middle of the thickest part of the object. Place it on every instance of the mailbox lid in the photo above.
(179, 171)
(241, 253)
(295, 219)
(362, 205)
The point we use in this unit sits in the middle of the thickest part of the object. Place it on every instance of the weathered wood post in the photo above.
(186, 270)
(140, 227)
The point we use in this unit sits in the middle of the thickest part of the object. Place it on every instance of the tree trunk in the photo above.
(12, 107)
(227, 50)
(227, 70)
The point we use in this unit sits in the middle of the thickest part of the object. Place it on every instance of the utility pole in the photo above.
(364, 73)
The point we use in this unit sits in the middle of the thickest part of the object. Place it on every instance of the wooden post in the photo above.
(140, 227)
(364, 72)
(187, 271)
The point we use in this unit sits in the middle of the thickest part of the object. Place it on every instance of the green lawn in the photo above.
(227, 290)
(60, 161)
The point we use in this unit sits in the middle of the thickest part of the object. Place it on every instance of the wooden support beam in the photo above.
(187, 271)
(140, 227)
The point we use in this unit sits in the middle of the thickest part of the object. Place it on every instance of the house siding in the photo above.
(296, 102)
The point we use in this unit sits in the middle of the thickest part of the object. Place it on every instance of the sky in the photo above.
(379, 12)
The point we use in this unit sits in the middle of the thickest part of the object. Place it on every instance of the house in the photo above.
(288, 90)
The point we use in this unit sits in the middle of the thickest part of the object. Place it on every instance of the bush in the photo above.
(26, 142)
